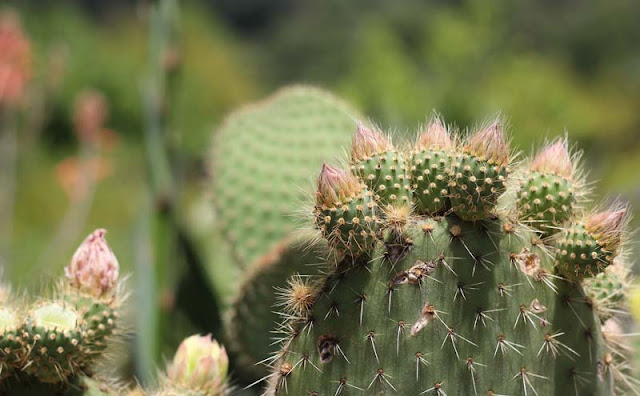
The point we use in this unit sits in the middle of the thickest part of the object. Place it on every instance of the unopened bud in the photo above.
(489, 143)
(335, 185)
(368, 142)
(94, 268)
(200, 363)
(15, 59)
(435, 137)
(554, 159)
(607, 227)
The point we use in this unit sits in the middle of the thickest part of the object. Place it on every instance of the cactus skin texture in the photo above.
(474, 301)
(262, 159)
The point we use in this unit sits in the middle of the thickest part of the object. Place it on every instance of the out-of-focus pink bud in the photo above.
(368, 142)
(15, 59)
(94, 268)
(489, 143)
(335, 185)
(554, 159)
(435, 137)
(200, 363)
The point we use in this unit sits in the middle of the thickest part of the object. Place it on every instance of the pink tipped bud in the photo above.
(200, 363)
(368, 142)
(15, 59)
(435, 137)
(489, 143)
(335, 185)
(94, 268)
(554, 159)
(607, 227)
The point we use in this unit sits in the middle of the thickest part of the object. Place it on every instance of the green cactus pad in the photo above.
(265, 156)
(252, 315)
(429, 175)
(470, 303)
(54, 343)
(475, 186)
(350, 228)
(386, 175)
(100, 322)
(546, 200)
(606, 291)
(470, 306)
(580, 254)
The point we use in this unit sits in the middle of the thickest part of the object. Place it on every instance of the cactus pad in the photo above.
(546, 200)
(472, 302)
(264, 157)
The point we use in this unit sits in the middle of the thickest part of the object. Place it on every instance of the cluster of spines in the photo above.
(481, 163)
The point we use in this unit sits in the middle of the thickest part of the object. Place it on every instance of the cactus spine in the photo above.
(475, 281)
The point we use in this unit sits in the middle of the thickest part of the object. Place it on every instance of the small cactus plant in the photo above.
(57, 341)
(454, 271)
(57, 345)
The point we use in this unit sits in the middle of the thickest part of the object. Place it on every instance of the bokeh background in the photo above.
(102, 80)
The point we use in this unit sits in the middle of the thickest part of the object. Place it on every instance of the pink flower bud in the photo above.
(15, 59)
(94, 267)
(335, 185)
(435, 137)
(368, 142)
(554, 159)
(489, 143)
(200, 363)
(607, 227)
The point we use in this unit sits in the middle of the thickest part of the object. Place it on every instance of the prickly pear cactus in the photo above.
(264, 157)
(256, 197)
(252, 312)
(52, 344)
(454, 272)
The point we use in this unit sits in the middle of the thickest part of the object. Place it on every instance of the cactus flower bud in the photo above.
(489, 143)
(94, 267)
(200, 363)
(15, 59)
(607, 227)
(554, 159)
(335, 185)
(368, 142)
(435, 137)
